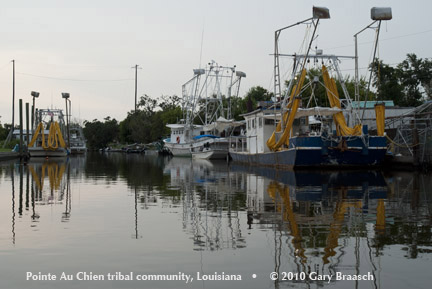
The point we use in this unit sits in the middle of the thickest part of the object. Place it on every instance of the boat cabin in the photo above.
(179, 134)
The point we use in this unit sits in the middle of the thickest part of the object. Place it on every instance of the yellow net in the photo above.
(39, 130)
(288, 215)
(380, 118)
(380, 221)
(288, 117)
(54, 139)
(341, 127)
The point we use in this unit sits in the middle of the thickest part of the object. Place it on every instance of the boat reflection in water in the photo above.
(319, 222)
(40, 183)
(326, 222)
(151, 215)
(211, 202)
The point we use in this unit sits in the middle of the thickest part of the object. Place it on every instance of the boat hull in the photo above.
(203, 149)
(316, 152)
(40, 152)
(78, 150)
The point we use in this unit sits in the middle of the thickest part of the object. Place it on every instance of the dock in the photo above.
(4, 156)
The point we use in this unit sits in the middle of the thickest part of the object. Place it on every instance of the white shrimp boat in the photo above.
(203, 103)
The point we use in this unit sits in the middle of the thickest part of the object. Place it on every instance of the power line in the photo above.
(384, 39)
(70, 79)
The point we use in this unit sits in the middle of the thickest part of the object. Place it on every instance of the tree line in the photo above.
(408, 83)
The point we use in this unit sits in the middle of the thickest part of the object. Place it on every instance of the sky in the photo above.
(88, 48)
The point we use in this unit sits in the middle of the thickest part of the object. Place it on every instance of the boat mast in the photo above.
(318, 13)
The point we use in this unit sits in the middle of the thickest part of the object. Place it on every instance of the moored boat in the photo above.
(200, 134)
(295, 132)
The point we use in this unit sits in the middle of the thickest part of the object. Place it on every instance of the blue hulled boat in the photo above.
(302, 127)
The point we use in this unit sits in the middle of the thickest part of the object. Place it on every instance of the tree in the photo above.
(148, 123)
(250, 101)
(407, 84)
(415, 73)
(99, 134)
(3, 132)
(386, 80)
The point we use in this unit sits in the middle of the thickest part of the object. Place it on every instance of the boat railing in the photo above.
(240, 143)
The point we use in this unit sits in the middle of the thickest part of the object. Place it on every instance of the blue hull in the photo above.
(317, 185)
(318, 152)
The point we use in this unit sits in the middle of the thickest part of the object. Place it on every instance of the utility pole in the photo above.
(13, 94)
(136, 84)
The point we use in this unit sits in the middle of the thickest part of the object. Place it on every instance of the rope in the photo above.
(401, 145)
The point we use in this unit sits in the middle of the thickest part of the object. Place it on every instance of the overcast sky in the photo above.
(88, 48)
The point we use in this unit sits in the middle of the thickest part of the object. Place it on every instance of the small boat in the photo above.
(77, 140)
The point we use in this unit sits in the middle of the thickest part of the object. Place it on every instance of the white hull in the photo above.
(184, 149)
(40, 152)
(78, 150)
(202, 155)
(202, 149)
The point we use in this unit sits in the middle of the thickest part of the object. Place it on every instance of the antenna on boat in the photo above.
(201, 50)
(378, 14)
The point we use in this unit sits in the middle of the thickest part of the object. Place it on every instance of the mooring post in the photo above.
(21, 151)
(27, 124)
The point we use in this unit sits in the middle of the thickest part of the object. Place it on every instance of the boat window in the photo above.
(253, 123)
(269, 122)
(260, 122)
(248, 124)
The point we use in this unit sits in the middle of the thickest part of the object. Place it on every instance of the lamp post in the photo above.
(378, 14)
(66, 96)
(35, 94)
(239, 75)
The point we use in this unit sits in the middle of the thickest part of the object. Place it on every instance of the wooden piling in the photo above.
(27, 124)
(21, 151)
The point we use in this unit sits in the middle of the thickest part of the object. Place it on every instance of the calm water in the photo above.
(112, 213)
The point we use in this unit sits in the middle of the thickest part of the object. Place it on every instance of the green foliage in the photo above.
(3, 132)
(148, 123)
(10, 145)
(407, 84)
(99, 134)
(249, 102)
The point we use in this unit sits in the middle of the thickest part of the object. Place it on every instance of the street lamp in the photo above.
(35, 94)
(66, 96)
(237, 81)
(378, 14)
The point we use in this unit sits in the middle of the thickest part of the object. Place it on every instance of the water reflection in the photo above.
(32, 178)
(307, 221)
(211, 203)
(322, 219)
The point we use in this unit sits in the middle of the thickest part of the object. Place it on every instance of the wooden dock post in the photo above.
(27, 124)
(21, 151)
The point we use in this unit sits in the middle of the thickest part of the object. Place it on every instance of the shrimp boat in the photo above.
(77, 139)
(295, 132)
(202, 132)
(47, 140)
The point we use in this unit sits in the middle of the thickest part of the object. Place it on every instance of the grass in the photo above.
(5, 150)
